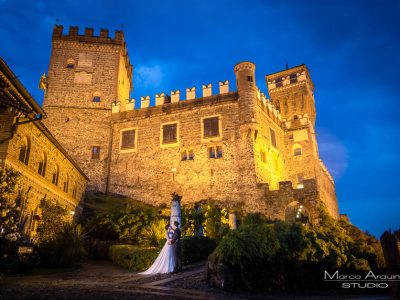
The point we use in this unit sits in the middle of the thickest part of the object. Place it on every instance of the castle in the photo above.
(237, 147)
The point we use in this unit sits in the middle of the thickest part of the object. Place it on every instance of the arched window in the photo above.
(25, 151)
(66, 184)
(55, 175)
(70, 63)
(297, 150)
(96, 97)
(215, 152)
(191, 155)
(42, 165)
(184, 155)
(74, 190)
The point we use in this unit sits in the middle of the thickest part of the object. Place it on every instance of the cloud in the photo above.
(148, 76)
(333, 153)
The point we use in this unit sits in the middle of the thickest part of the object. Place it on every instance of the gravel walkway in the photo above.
(103, 280)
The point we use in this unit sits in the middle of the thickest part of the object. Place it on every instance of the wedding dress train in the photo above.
(164, 262)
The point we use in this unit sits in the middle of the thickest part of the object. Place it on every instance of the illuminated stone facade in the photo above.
(27, 146)
(237, 147)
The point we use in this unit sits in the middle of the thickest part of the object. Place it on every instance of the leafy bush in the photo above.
(133, 258)
(196, 248)
(248, 246)
(52, 220)
(9, 211)
(125, 225)
(155, 234)
(282, 254)
(66, 248)
(206, 217)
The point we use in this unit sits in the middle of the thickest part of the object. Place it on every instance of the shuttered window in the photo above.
(211, 127)
(170, 133)
(128, 139)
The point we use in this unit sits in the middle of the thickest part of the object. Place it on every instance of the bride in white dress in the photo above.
(165, 260)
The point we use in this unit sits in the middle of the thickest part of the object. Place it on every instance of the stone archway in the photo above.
(297, 212)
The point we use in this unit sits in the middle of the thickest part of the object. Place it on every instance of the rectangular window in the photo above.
(95, 152)
(211, 127)
(169, 134)
(250, 78)
(263, 156)
(96, 99)
(128, 139)
(273, 137)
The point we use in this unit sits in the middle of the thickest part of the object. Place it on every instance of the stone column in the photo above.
(176, 209)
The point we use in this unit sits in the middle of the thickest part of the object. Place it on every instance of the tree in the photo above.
(8, 208)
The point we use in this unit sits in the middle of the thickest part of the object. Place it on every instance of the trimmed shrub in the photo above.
(133, 258)
(196, 249)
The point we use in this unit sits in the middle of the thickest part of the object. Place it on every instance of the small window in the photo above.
(293, 78)
(250, 78)
(184, 155)
(219, 151)
(54, 178)
(300, 179)
(169, 134)
(24, 151)
(66, 184)
(128, 139)
(263, 156)
(211, 152)
(96, 97)
(211, 127)
(278, 82)
(215, 152)
(95, 152)
(297, 151)
(70, 63)
(191, 155)
(42, 165)
(273, 137)
(74, 189)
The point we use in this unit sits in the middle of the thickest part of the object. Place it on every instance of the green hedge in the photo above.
(196, 249)
(133, 258)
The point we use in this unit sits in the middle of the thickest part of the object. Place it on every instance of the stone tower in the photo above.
(86, 75)
(291, 91)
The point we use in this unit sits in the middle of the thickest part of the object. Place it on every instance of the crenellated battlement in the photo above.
(326, 171)
(163, 99)
(289, 77)
(88, 35)
(268, 107)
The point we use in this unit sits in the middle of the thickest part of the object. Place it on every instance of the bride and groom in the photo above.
(170, 258)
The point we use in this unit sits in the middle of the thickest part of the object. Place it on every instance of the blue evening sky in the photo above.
(350, 47)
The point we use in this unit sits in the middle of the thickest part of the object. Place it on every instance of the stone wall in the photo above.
(79, 130)
(34, 186)
(152, 172)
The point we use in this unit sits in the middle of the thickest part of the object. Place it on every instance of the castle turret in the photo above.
(246, 87)
(292, 92)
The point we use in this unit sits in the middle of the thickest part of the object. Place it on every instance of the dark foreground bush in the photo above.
(262, 255)
(65, 249)
(195, 249)
(133, 258)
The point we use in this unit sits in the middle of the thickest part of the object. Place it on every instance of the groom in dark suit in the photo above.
(176, 247)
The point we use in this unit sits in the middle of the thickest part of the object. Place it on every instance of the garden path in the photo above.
(102, 280)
